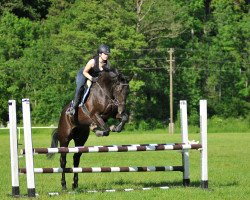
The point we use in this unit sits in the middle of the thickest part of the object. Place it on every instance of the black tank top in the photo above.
(94, 71)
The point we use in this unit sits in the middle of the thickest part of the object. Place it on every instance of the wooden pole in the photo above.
(171, 61)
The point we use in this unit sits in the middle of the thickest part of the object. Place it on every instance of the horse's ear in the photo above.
(127, 78)
(116, 71)
(112, 74)
(123, 78)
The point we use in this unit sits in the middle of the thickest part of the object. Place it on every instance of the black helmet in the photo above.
(104, 49)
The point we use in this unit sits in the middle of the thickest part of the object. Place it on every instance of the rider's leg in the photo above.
(78, 96)
(80, 80)
(85, 92)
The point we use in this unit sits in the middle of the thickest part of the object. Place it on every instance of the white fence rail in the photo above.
(34, 127)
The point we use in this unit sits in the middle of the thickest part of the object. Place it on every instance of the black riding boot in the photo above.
(76, 102)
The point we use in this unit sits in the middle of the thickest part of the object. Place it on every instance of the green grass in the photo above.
(229, 164)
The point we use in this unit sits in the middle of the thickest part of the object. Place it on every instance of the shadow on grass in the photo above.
(131, 185)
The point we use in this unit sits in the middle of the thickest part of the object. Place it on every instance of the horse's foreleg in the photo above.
(63, 165)
(101, 124)
(76, 164)
(119, 127)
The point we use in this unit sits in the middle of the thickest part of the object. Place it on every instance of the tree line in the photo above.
(43, 44)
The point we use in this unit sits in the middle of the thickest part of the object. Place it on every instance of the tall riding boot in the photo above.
(84, 96)
(76, 102)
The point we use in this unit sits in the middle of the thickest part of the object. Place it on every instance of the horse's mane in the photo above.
(112, 75)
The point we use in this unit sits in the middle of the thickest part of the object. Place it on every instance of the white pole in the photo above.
(13, 148)
(203, 132)
(184, 133)
(28, 148)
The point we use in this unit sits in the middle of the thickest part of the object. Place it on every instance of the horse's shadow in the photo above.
(118, 186)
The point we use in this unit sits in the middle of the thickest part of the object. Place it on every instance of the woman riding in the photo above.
(91, 72)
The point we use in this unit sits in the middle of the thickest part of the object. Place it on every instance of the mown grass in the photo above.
(228, 168)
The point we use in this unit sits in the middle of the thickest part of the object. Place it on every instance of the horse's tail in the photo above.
(54, 142)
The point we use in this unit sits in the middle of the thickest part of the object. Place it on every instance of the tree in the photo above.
(15, 36)
(68, 40)
(34, 10)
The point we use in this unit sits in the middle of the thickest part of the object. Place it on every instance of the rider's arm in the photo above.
(89, 65)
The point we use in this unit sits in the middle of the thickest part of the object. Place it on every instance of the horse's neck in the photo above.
(106, 88)
(105, 84)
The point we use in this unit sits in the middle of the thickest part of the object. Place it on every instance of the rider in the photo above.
(91, 71)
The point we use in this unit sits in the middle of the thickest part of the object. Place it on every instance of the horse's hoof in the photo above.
(99, 133)
(118, 129)
(115, 128)
(105, 133)
(112, 128)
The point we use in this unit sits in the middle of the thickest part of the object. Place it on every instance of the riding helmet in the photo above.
(104, 49)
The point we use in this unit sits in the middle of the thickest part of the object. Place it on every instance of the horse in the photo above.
(107, 99)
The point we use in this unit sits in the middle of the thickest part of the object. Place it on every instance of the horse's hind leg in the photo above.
(76, 164)
(63, 163)
(80, 137)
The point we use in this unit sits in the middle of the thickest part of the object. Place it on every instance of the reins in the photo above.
(113, 101)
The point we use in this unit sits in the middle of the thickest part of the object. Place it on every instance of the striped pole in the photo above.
(102, 149)
(28, 148)
(184, 133)
(104, 169)
(13, 148)
(203, 133)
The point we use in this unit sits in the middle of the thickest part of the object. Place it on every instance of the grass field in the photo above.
(229, 164)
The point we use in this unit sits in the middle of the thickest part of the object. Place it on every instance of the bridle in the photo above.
(113, 101)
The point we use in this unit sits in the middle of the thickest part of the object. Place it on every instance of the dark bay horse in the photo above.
(107, 99)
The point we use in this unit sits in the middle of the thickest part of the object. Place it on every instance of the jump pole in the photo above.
(105, 149)
(203, 135)
(184, 133)
(13, 148)
(28, 148)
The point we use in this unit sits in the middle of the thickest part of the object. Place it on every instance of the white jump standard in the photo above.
(203, 134)
(28, 147)
(185, 146)
(13, 148)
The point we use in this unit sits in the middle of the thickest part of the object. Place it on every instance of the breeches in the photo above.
(80, 81)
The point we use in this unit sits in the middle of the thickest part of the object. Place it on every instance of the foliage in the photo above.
(34, 10)
(43, 43)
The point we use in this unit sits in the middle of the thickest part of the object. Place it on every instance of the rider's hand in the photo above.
(94, 79)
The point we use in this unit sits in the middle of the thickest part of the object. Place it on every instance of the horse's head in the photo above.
(118, 85)
(120, 92)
